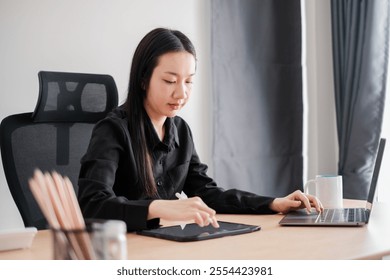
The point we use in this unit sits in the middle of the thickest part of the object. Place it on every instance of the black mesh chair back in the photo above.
(55, 136)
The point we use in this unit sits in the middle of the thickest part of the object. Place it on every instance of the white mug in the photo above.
(328, 189)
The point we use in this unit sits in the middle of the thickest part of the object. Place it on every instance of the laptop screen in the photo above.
(375, 173)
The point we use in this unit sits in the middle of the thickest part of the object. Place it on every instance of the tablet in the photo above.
(193, 232)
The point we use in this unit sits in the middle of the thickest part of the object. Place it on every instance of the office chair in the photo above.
(55, 136)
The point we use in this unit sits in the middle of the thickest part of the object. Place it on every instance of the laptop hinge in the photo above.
(367, 211)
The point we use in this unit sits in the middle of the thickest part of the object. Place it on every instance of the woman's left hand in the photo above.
(294, 201)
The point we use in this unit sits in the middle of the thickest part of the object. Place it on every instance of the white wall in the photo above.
(321, 146)
(92, 36)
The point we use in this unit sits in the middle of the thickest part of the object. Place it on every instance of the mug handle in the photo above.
(307, 186)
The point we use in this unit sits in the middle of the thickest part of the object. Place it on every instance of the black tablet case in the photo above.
(193, 232)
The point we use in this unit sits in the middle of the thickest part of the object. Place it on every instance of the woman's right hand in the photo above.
(191, 209)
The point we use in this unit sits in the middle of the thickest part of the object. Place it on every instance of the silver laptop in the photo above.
(341, 216)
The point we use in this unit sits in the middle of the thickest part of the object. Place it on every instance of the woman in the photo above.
(142, 154)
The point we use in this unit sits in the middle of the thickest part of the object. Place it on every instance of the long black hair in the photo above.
(156, 43)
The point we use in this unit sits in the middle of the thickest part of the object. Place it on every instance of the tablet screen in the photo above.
(193, 232)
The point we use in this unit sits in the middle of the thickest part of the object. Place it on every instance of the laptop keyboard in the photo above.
(342, 215)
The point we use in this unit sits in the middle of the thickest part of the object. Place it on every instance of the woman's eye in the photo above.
(169, 82)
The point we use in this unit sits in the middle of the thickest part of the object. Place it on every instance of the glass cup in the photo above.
(100, 240)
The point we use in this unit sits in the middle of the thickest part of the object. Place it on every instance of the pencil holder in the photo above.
(72, 244)
(100, 240)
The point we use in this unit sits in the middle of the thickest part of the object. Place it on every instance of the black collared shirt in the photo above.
(108, 181)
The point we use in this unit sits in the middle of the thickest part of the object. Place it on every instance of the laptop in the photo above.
(340, 216)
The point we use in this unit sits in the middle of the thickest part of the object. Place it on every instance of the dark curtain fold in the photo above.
(257, 95)
(360, 30)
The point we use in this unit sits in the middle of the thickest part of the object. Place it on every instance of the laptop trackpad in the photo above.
(301, 216)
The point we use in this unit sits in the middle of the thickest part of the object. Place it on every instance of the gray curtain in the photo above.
(257, 95)
(360, 31)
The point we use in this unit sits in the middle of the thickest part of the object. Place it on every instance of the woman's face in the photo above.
(170, 85)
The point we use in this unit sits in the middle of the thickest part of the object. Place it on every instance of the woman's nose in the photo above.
(180, 91)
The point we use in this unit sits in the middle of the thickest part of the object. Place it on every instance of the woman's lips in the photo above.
(174, 106)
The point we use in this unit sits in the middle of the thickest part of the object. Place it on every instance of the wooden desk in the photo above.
(272, 242)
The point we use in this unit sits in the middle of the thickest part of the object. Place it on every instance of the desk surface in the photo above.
(272, 242)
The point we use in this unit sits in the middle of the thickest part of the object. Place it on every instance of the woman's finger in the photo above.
(198, 219)
(214, 222)
(317, 204)
(305, 200)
